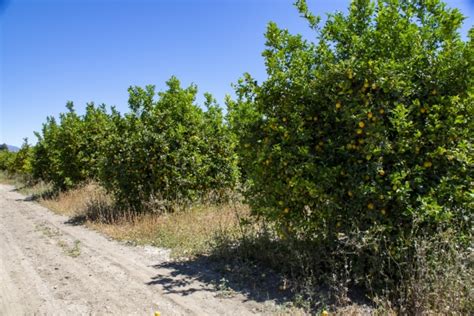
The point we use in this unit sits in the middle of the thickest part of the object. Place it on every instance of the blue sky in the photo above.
(92, 50)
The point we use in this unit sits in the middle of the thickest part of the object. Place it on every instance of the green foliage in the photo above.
(22, 162)
(369, 129)
(6, 159)
(17, 162)
(68, 152)
(168, 149)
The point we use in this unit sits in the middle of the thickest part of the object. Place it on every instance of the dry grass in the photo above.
(75, 202)
(441, 278)
(25, 186)
(6, 179)
(187, 233)
(12, 179)
(37, 190)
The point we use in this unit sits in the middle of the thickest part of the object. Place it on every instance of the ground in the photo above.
(51, 266)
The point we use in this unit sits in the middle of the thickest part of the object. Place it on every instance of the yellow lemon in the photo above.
(338, 105)
(350, 193)
(324, 313)
(427, 164)
(374, 86)
(369, 115)
(286, 210)
(370, 206)
(359, 131)
(381, 111)
(361, 124)
(382, 211)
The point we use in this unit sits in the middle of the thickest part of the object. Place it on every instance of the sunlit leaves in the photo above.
(378, 106)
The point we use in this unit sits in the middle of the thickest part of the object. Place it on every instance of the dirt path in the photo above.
(48, 267)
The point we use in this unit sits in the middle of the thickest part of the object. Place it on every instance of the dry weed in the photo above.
(187, 233)
(75, 202)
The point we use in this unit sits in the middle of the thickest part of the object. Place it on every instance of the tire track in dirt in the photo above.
(48, 267)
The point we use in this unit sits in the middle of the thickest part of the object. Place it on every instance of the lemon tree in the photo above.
(168, 149)
(6, 158)
(368, 129)
(69, 150)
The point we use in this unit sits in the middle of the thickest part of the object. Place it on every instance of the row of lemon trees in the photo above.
(165, 149)
(368, 129)
(16, 162)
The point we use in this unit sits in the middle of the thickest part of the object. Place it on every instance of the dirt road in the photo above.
(49, 267)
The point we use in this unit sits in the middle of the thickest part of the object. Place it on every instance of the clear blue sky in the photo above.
(58, 50)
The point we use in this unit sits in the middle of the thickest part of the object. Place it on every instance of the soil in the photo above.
(50, 266)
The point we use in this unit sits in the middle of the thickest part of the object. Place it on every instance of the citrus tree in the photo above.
(6, 158)
(21, 162)
(367, 129)
(168, 149)
(69, 152)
